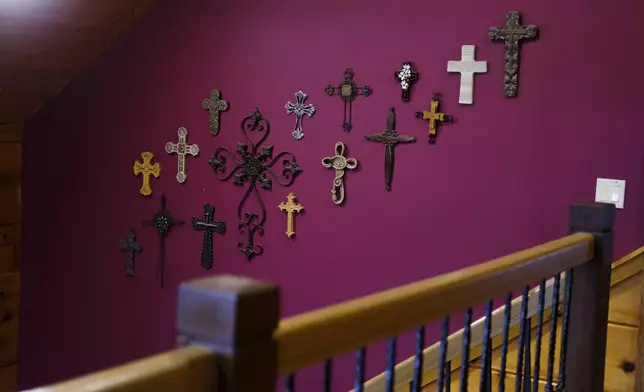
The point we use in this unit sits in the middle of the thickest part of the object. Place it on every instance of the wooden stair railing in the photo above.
(236, 321)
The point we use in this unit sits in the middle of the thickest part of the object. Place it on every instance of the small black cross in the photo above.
(406, 76)
(129, 246)
(163, 222)
(208, 225)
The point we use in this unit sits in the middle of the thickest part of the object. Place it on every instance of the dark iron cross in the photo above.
(163, 222)
(348, 90)
(129, 246)
(406, 76)
(254, 164)
(208, 225)
(512, 34)
(390, 138)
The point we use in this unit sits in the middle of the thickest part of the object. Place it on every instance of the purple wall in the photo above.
(500, 179)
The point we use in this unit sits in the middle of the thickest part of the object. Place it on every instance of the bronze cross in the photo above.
(214, 105)
(146, 169)
(433, 116)
(512, 33)
(390, 138)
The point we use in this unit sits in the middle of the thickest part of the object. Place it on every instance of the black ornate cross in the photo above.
(512, 34)
(348, 90)
(163, 222)
(406, 76)
(208, 225)
(255, 166)
(390, 138)
(129, 246)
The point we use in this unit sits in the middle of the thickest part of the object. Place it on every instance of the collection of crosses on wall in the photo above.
(254, 165)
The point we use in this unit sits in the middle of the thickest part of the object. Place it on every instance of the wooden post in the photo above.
(236, 317)
(586, 348)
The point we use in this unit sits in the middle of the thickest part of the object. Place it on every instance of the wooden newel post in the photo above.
(586, 348)
(237, 318)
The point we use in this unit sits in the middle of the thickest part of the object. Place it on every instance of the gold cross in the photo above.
(146, 168)
(290, 207)
(433, 116)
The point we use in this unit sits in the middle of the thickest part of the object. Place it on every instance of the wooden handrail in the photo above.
(353, 324)
(185, 369)
(622, 269)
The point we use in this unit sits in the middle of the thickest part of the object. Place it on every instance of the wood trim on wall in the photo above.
(622, 269)
(11, 132)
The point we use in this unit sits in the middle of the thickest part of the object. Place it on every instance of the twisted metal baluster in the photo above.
(524, 313)
(553, 332)
(328, 374)
(507, 314)
(390, 374)
(561, 380)
(290, 383)
(418, 361)
(443, 355)
(537, 348)
(358, 385)
(527, 374)
(465, 354)
(487, 325)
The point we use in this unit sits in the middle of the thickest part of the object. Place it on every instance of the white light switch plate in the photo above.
(610, 191)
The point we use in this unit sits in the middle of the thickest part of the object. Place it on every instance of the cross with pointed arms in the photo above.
(291, 207)
(390, 138)
(300, 109)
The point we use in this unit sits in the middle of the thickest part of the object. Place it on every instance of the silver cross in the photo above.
(300, 110)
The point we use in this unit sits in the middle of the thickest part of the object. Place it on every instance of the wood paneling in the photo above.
(46, 44)
(621, 351)
(9, 243)
(9, 378)
(9, 317)
(10, 159)
(9, 202)
(624, 305)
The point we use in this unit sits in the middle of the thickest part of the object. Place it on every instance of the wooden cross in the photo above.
(390, 138)
(214, 105)
(339, 162)
(512, 34)
(181, 148)
(146, 169)
(291, 207)
(129, 246)
(434, 117)
(406, 76)
(208, 225)
(467, 67)
(348, 90)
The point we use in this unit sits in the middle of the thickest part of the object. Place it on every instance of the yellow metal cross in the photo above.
(290, 207)
(434, 116)
(146, 168)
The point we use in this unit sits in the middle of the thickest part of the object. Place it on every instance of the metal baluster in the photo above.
(487, 325)
(489, 367)
(290, 383)
(390, 374)
(527, 374)
(443, 354)
(358, 385)
(561, 380)
(553, 332)
(522, 325)
(504, 345)
(537, 348)
(328, 374)
(465, 354)
(418, 362)
(448, 376)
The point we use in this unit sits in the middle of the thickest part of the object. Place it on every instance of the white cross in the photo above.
(467, 67)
